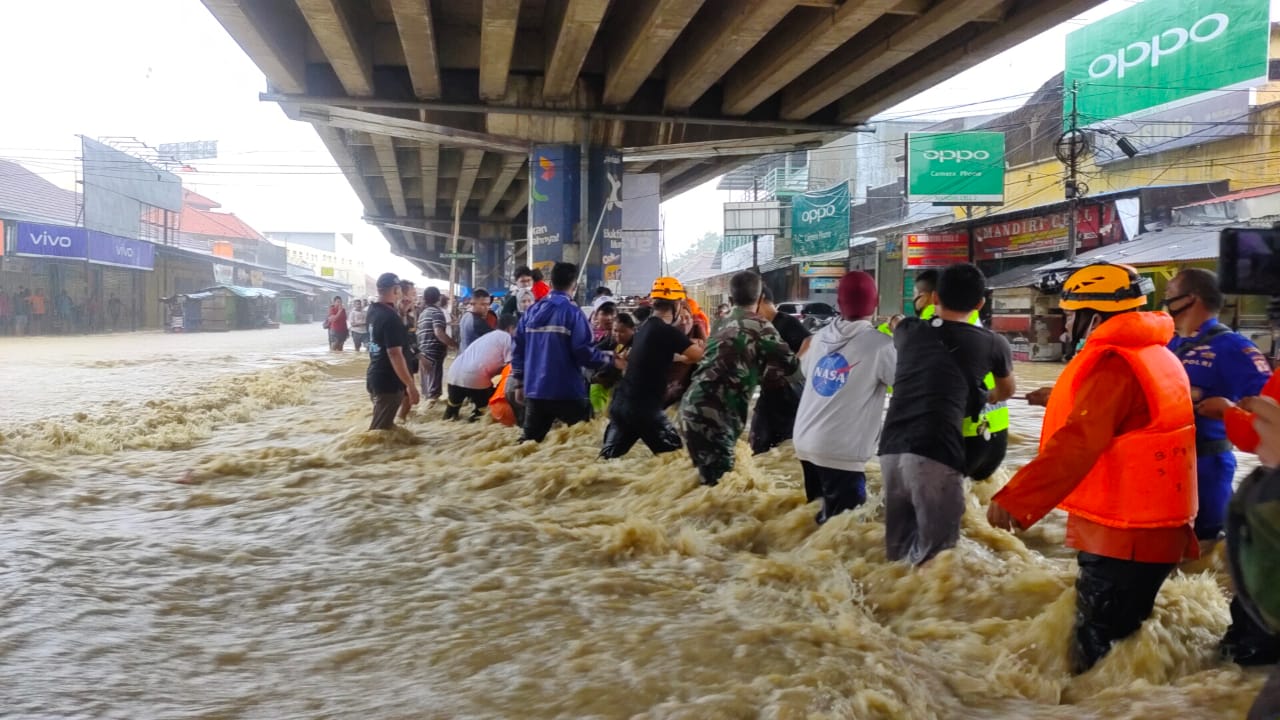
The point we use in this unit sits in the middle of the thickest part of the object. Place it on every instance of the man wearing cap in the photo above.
(848, 369)
(388, 379)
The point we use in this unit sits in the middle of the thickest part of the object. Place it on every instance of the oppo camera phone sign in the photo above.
(956, 168)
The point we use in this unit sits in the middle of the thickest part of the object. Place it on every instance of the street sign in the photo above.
(458, 256)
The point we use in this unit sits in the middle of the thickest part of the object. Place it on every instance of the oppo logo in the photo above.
(1162, 45)
(956, 155)
(818, 213)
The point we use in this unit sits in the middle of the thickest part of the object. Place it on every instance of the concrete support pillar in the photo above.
(554, 189)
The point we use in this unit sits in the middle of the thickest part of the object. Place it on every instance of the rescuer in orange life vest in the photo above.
(1117, 452)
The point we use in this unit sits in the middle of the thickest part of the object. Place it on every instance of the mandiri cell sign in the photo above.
(1160, 53)
(956, 168)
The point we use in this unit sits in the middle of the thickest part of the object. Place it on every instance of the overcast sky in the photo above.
(166, 71)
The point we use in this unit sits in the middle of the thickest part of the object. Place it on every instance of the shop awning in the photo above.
(842, 254)
(1159, 247)
(244, 292)
(1019, 277)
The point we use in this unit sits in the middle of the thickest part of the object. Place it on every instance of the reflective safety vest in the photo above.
(1145, 478)
(995, 416)
(884, 328)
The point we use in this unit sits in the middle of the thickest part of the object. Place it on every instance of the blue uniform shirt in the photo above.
(1229, 366)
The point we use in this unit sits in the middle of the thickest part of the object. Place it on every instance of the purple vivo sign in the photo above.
(107, 249)
(35, 239)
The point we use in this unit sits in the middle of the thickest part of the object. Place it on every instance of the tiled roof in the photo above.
(25, 195)
(215, 224)
(197, 200)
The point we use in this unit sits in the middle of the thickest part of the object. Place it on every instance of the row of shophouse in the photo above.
(205, 269)
(1160, 210)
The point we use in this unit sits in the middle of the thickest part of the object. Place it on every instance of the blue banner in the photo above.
(820, 221)
(107, 249)
(604, 195)
(39, 240)
(553, 202)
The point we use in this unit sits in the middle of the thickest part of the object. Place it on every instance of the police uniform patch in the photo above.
(1259, 360)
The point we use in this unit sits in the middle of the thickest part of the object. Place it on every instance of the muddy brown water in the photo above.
(313, 570)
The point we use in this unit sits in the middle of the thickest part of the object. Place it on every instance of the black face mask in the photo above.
(1168, 304)
(919, 303)
(1080, 327)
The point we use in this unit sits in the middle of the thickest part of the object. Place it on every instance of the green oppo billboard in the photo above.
(1160, 53)
(956, 168)
(820, 221)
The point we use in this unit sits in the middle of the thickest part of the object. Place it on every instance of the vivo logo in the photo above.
(956, 155)
(818, 213)
(49, 240)
(123, 250)
(1163, 44)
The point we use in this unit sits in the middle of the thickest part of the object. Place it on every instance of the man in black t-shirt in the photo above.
(388, 378)
(938, 382)
(775, 415)
(635, 412)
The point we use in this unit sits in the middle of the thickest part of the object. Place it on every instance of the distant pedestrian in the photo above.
(434, 340)
(21, 311)
(847, 370)
(336, 323)
(474, 324)
(409, 303)
(552, 346)
(38, 312)
(472, 372)
(744, 349)
(359, 320)
(115, 309)
(388, 379)
(523, 281)
(602, 320)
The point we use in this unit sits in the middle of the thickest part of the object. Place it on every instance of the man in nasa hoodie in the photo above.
(847, 370)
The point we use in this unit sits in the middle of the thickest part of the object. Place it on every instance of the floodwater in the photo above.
(309, 569)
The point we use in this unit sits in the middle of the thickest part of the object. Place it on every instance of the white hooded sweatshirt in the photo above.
(847, 369)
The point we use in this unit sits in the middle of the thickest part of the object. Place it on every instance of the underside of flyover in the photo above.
(428, 105)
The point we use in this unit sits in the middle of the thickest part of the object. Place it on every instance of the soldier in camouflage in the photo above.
(744, 350)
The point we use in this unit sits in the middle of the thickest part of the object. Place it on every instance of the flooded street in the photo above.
(313, 570)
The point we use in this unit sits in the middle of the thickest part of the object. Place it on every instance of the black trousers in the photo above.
(459, 395)
(627, 426)
(1113, 598)
(775, 417)
(540, 415)
(839, 490)
(982, 457)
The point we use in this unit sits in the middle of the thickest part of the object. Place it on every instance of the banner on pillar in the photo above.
(641, 253)
(553, 202)
(604, 199)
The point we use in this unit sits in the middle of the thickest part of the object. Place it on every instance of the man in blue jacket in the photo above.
(552, 346)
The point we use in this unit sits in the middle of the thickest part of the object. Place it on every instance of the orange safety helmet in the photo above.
(1106, 288)
(667, 288)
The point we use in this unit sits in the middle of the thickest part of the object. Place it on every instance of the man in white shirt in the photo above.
(847, 370)
(471, 375)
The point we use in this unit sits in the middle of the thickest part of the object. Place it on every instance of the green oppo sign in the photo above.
(1161, 52)
(956, 168)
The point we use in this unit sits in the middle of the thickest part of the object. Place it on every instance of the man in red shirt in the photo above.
(1117, 453)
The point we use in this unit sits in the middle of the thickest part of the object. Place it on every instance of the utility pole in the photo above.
(1072, 186)
(453, 261)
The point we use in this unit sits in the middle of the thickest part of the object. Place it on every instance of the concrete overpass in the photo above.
(431, 104)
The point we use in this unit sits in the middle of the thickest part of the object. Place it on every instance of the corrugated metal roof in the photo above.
(1024, 276)
(1238, 195)
(1172, 244)
(25, 195)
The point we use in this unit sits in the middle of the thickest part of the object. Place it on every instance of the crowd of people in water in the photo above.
(1136, 447)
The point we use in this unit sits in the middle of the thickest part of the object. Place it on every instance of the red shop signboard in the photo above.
(936, 249)
(1096, 225)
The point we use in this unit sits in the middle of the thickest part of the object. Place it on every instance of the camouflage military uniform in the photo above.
(744, 350)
